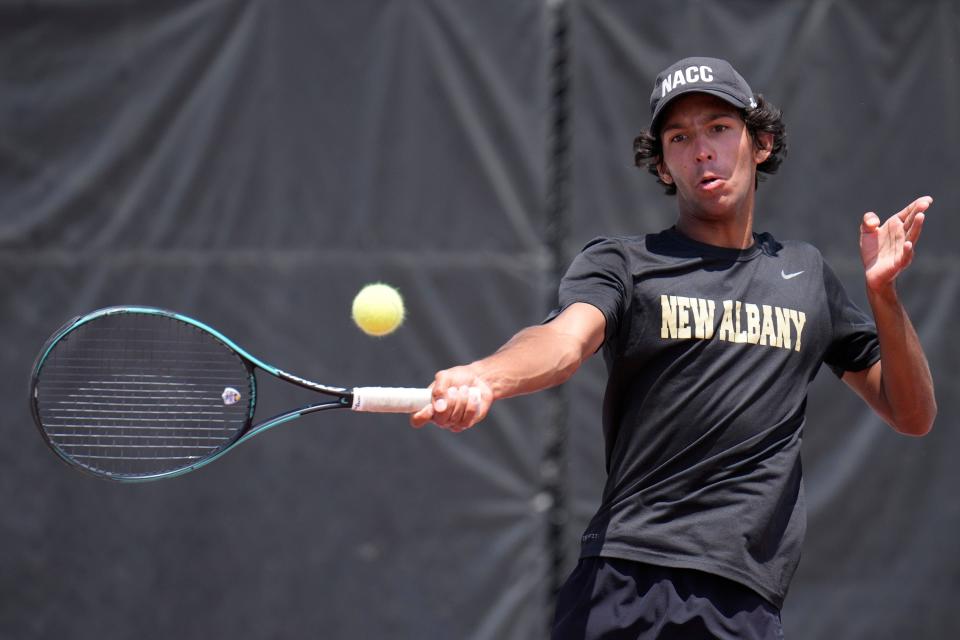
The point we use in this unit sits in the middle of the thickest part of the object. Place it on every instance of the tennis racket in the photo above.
(137, 393)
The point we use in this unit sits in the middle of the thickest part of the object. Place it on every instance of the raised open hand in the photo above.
(887, 249)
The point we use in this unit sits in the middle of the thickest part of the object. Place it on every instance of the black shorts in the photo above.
(613, 599)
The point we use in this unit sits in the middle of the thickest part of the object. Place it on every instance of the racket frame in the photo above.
(343, 398)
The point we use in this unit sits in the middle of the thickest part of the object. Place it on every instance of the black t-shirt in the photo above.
(709, 353)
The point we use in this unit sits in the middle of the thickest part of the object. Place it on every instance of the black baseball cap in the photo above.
(699, 75)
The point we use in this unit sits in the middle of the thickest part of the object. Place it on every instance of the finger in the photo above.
(908, 210)
(444, 408)
(445, 381)
(457, 398)
(871, 222)
(484, 402)
(913, 231)
(919, 205)
(422, 417)
(472, 409)
(906, 256)
(439, 388)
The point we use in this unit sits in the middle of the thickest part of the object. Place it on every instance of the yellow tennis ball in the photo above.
(378, 309)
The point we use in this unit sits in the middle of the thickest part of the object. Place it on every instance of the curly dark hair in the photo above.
(764, 118)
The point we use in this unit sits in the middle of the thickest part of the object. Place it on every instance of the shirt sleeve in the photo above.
(600, 276)
(854, 345)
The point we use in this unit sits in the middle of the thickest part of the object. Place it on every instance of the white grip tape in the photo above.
(390, 399)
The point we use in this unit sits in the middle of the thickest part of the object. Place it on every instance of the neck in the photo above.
(731, 228)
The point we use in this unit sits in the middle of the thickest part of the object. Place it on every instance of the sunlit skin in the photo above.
(711, 158)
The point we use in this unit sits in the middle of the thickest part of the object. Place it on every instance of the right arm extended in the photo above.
(536, 358)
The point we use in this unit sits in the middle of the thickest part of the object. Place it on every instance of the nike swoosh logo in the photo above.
(788, 276)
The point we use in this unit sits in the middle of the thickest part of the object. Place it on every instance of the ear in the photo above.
(764, 147)
(664, 173)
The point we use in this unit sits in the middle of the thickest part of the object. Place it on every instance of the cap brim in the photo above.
(726, 97)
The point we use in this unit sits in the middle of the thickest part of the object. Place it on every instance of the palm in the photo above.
(883, 252)
(887, 249)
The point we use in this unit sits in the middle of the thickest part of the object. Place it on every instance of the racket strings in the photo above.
(140, 394)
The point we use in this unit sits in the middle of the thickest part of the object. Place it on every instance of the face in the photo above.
(709, 155)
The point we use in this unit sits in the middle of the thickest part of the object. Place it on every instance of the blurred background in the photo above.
(252, 163)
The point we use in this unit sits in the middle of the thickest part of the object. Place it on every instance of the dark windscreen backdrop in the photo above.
(252, 164)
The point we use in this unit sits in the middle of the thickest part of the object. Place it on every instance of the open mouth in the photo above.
(709, 181)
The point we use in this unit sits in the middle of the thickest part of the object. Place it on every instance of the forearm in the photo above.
(905, 386)
(536, 358)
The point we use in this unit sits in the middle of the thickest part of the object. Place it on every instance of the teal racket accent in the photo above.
(140, 393)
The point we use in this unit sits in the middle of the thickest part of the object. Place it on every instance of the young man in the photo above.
(711, 334)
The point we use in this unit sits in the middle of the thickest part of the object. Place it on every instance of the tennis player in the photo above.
(711, 333)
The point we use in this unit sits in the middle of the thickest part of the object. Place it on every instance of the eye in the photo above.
(720, 128)
(678, 138)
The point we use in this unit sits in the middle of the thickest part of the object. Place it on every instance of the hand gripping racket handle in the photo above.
(390, 399)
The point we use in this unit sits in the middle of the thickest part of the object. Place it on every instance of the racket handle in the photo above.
(390, 399)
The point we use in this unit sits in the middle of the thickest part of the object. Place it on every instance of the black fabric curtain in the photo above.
(253, 164)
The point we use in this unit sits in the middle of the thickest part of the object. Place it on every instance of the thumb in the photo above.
(422, 417)
(871, 222)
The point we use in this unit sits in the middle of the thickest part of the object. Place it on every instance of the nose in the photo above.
(704, 150)
(704, 153)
